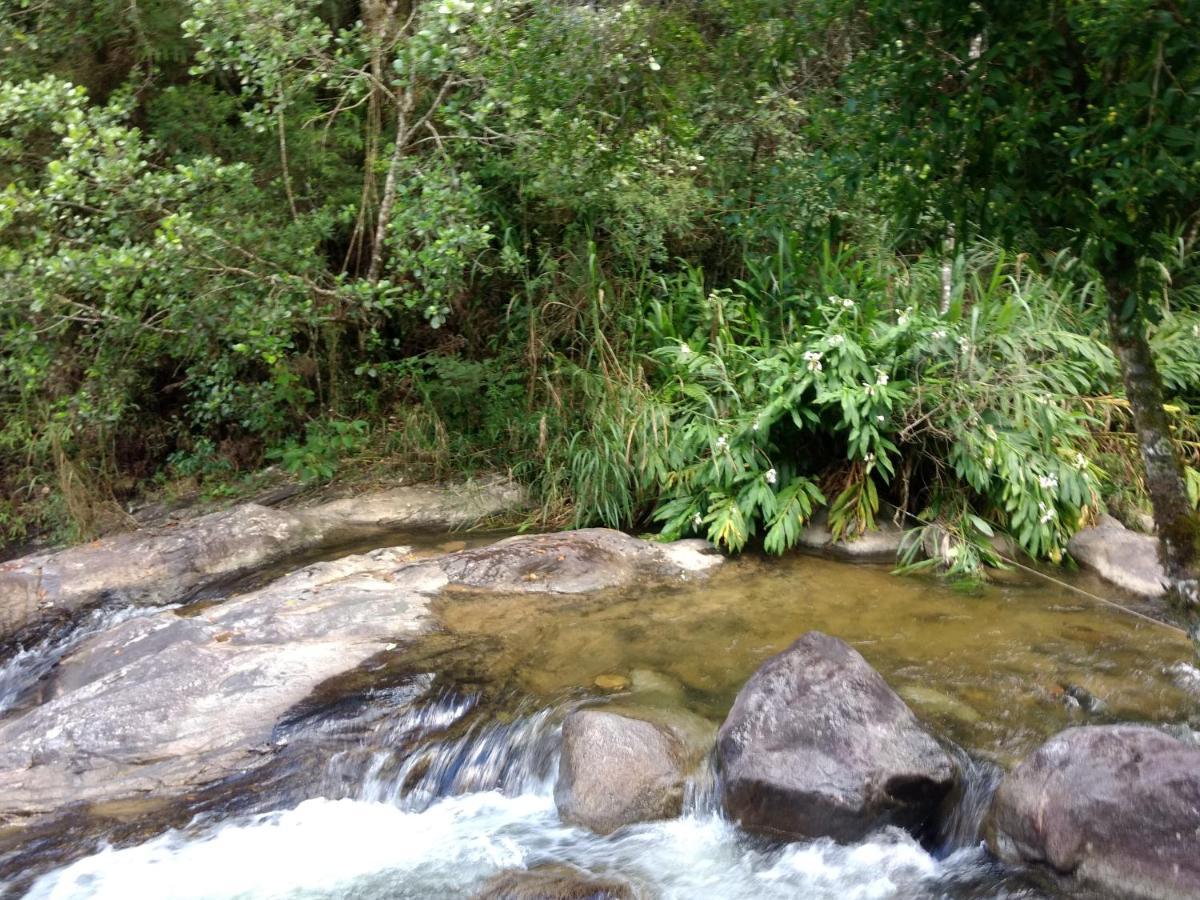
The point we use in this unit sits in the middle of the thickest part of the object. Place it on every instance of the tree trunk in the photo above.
(1178, 524)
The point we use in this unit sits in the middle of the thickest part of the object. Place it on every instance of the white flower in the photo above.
(1048, 513)
(754, 425)
(697, 521)
(964, 344)
(836, 340)
(1081, 462)
(870, 389)
(938, 334)
(847, 303)
(987, 462)
(684, 350)
(902, 321)
(812, 358)
(654, 66)
(882, 379)
(772, 476)
(722, 443)
(1049, 482)
(870, 458)
(880, 418)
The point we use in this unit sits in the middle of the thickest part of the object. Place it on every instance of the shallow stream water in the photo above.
(432, 768)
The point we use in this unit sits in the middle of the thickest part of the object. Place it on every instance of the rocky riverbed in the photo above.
(572, 706)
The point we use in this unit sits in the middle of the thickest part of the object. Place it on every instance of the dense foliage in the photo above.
(709, 266)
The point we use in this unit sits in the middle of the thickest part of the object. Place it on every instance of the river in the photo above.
(431, 769)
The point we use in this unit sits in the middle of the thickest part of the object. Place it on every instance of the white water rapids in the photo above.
(437, 820)
(362, 849)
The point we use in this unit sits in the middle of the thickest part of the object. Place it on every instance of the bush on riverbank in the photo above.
(635, 253)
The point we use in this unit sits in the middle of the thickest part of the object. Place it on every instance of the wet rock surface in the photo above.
(1117, 807)
(169, 563)
(554, 882)
(617, 770)
(818, 745)
(164, 702)
(1120, 556)
(591, 559)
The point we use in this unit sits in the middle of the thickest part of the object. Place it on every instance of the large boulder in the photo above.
(1116, 806)
(161, 703)
(617, 770)
(1120, 556)
(554, 882)
(172, 562)
(818, 745)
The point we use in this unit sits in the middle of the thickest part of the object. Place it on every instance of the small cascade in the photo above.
(702, 793)
(428, 792)
(516, 757)
(443, 746)
(27, 665)
(962, 824)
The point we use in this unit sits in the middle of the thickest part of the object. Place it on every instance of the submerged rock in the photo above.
(1127, 559)
(1117, 807)
(617, 770)
(162, 703)
(817, 745)
(554, 882)
(611, 682)
(933, 702)
(168, 564)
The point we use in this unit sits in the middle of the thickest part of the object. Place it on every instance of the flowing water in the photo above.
(26, 668)
(433, 769)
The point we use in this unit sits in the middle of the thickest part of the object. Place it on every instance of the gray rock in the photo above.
(554, 882)
(162, 703)
(1117, 807)
(167, 564)
(818, 745)
(881, 543)
(591, 559)
(696, 735)
(1123, 557)
(617, 770)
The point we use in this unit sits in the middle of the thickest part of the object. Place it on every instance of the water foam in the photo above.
(338, 848)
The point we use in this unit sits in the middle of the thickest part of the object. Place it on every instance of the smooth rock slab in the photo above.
(617, 770)
(1120, 556)
(167, 564)
(162, 703)
(818, 745)
(1117, 807)
(583, 561)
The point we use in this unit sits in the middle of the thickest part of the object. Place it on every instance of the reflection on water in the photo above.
(996, 670)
